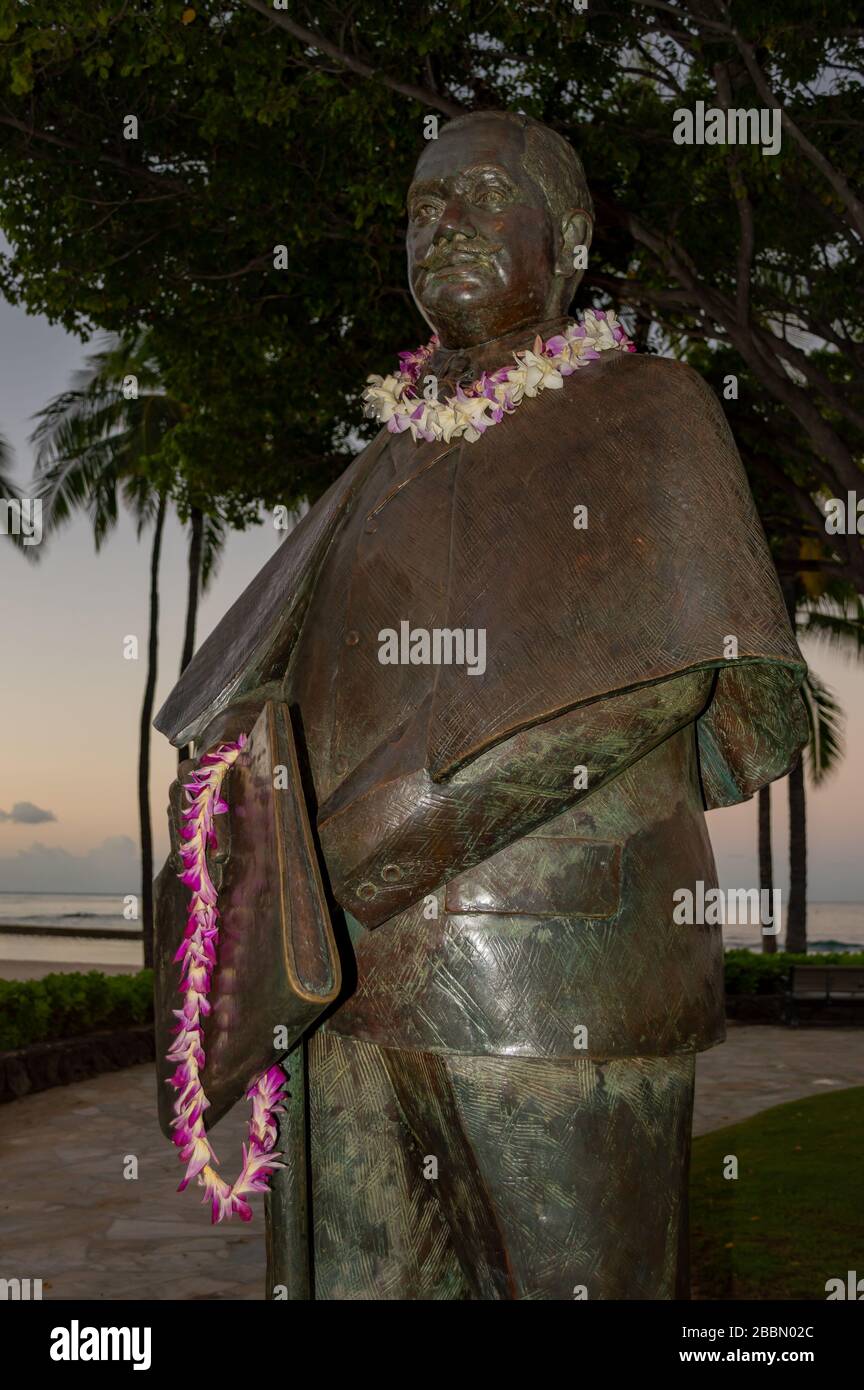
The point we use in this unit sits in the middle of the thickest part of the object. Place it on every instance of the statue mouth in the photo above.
(459, 259)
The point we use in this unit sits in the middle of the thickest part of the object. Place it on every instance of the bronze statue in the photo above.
(498, 1105)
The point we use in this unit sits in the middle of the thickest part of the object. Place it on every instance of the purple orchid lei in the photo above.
(396, 401)
(198, 956)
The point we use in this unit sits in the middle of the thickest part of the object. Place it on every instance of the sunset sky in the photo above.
(70, 702)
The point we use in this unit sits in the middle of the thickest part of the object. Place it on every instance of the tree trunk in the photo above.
(766, 858)
(796, 915)
(796, 912)
(196, 545)
(144, 742)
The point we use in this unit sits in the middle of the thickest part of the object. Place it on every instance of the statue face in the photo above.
(482, 246)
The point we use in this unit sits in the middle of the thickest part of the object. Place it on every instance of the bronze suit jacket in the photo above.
(563, 937)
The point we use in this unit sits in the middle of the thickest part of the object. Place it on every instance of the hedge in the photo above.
(749, 973)
(68, 1006)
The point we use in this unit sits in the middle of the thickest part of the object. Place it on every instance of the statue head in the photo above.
(497, 210)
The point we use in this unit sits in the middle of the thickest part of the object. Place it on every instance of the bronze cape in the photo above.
(673, 534)
(494, 913)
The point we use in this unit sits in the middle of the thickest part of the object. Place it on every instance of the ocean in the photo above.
(64, 917)
(830, 927)
(68, 910)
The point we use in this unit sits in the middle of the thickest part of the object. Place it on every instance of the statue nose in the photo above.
(455, 220)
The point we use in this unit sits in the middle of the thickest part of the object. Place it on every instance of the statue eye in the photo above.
(491, 193)
(424, 209)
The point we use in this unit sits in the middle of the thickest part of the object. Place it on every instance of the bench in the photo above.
(819, 986)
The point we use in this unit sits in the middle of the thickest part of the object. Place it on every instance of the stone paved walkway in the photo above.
(760, 1066)
(69, 1217)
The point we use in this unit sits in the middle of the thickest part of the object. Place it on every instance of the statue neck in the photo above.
(458, 365)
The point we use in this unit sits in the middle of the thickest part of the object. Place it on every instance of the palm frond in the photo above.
(94, 442)
(838, 624)
(212, 548)
(83, 475)
(11, 498)
(827, 721)
(119, 358)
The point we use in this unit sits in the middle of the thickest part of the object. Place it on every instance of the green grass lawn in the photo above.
(795, 1215)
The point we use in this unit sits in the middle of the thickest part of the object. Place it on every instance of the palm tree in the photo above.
(766, 858)
(207, 531)
(98, 445)
(824, 752)
(835, 615)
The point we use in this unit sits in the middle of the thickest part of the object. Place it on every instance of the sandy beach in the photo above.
(26, 957)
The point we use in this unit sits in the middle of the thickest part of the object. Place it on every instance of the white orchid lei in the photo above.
(198, 956)
(396, 401)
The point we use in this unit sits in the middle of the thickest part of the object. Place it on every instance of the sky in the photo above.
(70, 702)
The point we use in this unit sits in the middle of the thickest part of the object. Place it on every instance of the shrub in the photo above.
(750, 973)
(67, 1006)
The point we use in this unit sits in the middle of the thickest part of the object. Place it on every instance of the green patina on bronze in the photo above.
(518, 1003)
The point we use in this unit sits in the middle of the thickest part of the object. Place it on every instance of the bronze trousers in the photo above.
(451, 1177)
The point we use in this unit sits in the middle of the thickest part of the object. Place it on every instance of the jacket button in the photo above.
(371, 527)
(366, 890)
(391, 873)
(352, 638)
(341, 766)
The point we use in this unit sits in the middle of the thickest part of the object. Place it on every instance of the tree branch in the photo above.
(853, 206)
(93, 156)
(425, 95)
(826, 441)
(742, 203)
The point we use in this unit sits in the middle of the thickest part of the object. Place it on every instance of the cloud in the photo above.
(112, 867)
(25, 813)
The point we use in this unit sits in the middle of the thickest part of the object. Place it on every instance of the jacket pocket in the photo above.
(543, 876)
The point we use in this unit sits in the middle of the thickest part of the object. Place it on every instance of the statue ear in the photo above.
(576, 229)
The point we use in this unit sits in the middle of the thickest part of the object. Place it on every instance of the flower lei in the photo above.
(198, 955)
(395, 400)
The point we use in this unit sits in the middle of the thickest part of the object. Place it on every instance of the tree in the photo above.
(100, 444)
(206, 540)
(833, 613)
(766, 858)
(824, 752)
(839, 623)
(820, 601)
(258, 129)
